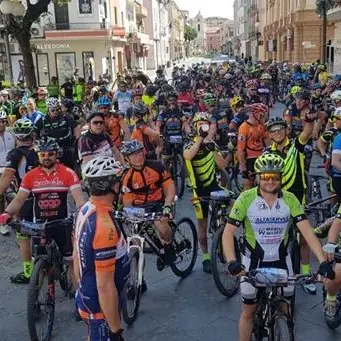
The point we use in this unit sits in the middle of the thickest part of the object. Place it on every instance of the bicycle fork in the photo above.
(137, 242)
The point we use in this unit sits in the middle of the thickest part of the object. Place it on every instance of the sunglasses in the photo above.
(276, 130)
(96, 123)
(270, 176)
(45, 154)
(52, 109)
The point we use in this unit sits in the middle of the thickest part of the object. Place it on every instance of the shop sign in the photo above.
(52, 46)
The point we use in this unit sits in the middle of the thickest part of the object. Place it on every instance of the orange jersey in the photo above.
(251, 139)
(146, 185)
(113, 127)
(139, 135)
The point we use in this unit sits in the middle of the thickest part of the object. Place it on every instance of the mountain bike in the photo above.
(48, 268)
(274, 318)
(137, 226)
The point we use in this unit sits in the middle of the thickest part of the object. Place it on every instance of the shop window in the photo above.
(88, 64)
(65, 65)
(43, 70)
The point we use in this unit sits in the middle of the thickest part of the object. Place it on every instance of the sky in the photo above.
(208, 8)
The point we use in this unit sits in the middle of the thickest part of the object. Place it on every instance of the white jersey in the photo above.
(7, 143)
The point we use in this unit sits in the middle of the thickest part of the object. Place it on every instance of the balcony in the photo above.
(334, 14)
(84, 30)
(141, 12)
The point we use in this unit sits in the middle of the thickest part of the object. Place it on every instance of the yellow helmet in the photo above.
(201, 116)
(234, 101)
(295, 89)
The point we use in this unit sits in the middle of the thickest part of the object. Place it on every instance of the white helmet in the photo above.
(103, 166)
(336, 95)
(52, 102)
(4, 93)
(337, 113)
(3, 114)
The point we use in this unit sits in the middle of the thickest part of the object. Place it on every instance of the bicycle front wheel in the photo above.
(131, 295)
(185, 243)
(40, 302)
(224, 281)
(281, 330)
(179, 175)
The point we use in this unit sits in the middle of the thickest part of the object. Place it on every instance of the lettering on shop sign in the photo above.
(52, 46)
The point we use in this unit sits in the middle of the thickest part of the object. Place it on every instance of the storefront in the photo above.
(61, 53)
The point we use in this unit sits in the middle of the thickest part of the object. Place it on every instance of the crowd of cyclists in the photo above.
(110, 146)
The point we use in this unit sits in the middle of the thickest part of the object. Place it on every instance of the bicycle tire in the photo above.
(217, 258)
(129, 317)
(281, 330)
(181, 176)
(41, 264)
(194, 246)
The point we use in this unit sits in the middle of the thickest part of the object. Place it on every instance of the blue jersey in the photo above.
(336, 150)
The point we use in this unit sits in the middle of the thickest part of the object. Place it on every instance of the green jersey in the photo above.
(266, 229)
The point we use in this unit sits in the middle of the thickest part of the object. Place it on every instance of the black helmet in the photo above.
(139, 109)
(131, 147)
(46, 144)
(68, 103)
(150, 90)
(166, 88)
(207, 77)
(172, 94)
(94, 114)
(303, 94)
(275, 121)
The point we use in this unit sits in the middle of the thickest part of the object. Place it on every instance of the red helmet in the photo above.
(252, 83)
(41, 91)
(258, 109)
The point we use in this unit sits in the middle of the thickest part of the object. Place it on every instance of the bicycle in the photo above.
(48, 266)
(271, 320)
(176, 163)
(137, 226)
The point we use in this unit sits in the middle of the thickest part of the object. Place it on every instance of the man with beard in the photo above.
(49, 184)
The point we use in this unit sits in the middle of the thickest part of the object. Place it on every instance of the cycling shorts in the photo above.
(201, 208)
(336, 183)
(152, 207)
(26, 213)
(249, 292)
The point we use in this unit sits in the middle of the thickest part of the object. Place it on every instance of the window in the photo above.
(115, 16)
(198, 27)
(105, 10)
(85, 7)
(122, 19)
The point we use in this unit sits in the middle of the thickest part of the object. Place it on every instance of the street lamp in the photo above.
(17, 9)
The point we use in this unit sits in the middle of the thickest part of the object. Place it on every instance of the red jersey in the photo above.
(50, 191)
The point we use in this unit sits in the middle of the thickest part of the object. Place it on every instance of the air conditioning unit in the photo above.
(37, 32)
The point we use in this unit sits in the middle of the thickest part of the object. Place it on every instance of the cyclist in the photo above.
(62, 128)
(49, 185)
(32, 113)
(240, 113)
(6, 104)
(96, 141)
(202, 160)
(331, 303)
(149, 185)
(41, 101)
(123, 98)
(20, 160)
(293, 177)
(100, 252)
(53, 88)
(7, 140)
(265, 213)
(252, 138)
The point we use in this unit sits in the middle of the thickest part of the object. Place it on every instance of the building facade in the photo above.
(199, 23)
(176, 18)
(293, 31)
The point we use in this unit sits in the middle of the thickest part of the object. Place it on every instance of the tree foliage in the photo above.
(20, 29)
(329, 4)
(190, 33)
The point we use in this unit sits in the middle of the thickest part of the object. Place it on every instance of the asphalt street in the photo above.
(171, 310)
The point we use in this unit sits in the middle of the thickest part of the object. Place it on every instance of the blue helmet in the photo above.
(104, 101)
(337, 78)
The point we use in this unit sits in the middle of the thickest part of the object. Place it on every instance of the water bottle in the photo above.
(137, 212)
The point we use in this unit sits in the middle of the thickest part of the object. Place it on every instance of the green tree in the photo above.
(325, 5)
(20, 29)
(190, 34)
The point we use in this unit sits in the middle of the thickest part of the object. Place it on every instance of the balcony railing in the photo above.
(78, 26)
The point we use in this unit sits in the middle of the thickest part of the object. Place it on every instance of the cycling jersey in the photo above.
(265, 229)
(239, 118)
(336, 150)
(41, 106)
(34, 117)
(202, 168)
(94, 145)
(50, 191)
(123, 100)
(139, 135)
(171, 121)
(113, 128)
(293, 176)
(7, 143)
(60, 128)
(220, 118)
(100, 247)
(251, 139)
(21, 160)
(146, 185)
